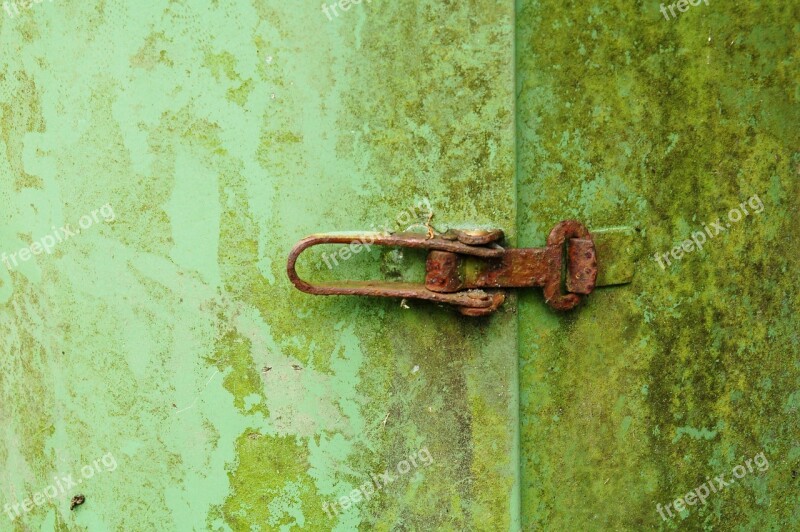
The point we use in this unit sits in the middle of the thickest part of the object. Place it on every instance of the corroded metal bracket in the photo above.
(470, 270)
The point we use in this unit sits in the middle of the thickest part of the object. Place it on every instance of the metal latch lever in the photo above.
(469, 270)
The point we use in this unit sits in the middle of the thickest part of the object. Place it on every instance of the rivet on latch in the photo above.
(470, 270)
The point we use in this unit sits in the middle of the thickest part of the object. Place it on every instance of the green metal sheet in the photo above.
(663, 124)
(161, 356)
(170, 339)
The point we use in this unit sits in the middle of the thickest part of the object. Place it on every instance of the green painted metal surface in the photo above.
(220, 134)
(155, 351)
(629, 118)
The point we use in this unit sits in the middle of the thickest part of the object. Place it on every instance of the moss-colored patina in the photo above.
(626, 118)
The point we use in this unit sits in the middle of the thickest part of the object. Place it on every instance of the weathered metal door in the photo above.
(161, 158)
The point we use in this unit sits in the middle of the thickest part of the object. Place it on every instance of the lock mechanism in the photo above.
(471, 271)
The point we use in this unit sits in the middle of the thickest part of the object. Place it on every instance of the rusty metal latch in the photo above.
(470, 270)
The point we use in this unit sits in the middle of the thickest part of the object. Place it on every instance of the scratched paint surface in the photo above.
(221, 133)
(626, 118)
